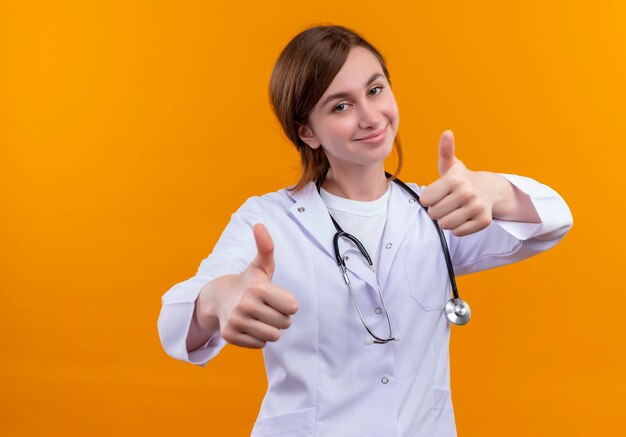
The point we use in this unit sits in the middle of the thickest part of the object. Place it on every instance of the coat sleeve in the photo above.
(505, 242)
(232, 253)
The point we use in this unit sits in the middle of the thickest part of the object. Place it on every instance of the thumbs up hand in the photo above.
(250, 309)
(461, 200)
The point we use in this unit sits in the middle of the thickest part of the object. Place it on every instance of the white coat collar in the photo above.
(311, 212)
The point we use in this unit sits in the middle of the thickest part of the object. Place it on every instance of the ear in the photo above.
(306, 135)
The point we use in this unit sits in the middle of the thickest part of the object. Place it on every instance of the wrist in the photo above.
(512, 204)
(206, 312)
(496, 189)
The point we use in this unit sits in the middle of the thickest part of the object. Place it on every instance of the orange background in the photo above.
(131, 130)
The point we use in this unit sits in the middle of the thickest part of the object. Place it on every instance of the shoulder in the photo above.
(275, 202)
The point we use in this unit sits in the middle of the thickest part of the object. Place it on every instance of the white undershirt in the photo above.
(364, 220)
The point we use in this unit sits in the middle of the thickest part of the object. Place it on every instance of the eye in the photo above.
(338, 106)
(380, 88)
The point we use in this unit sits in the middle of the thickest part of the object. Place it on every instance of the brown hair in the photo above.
(303, 72)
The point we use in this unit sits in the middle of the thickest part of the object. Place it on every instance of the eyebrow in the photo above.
(342, 94)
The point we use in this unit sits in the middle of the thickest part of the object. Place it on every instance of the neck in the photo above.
(363, 183)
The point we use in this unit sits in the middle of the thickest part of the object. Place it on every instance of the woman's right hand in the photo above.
(250, 309)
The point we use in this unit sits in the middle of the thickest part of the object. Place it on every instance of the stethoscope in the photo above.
(457, 310)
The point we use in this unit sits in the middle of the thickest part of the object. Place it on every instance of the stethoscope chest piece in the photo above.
(458, 311)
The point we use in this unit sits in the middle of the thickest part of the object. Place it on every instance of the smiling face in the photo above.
(358, 103)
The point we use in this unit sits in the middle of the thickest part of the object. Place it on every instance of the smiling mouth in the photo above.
(374, 135)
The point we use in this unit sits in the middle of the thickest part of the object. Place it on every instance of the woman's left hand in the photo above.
(462, 200)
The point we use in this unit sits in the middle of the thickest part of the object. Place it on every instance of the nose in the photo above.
(369, 115)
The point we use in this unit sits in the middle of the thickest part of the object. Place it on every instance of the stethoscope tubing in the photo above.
(442, 237)
(457, 310)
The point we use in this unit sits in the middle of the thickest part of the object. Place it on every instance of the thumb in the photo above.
(446, 152)
(265, 250)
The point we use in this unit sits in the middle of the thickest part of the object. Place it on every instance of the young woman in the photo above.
(355, 339)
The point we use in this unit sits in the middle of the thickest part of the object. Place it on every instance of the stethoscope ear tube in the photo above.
(343, 234)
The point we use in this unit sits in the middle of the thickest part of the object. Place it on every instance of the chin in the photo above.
(377, 156)
(385, 150)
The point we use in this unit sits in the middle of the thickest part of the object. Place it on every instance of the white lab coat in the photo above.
(323, 380)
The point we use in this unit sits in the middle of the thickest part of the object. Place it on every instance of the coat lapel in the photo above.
(402, 213)
(310, 212)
